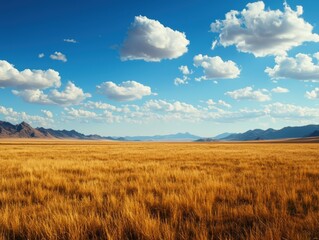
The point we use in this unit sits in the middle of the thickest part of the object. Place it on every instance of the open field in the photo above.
(108, 190)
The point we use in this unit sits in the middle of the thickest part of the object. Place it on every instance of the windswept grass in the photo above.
(105, 190)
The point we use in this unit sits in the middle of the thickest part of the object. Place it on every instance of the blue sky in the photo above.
(125, 68)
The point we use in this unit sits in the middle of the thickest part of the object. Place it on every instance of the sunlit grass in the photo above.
(106, 190)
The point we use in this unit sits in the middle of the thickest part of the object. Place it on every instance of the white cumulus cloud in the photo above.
(216, 68)
(291, 112)
(314, 94)
(177, 106)
(151, 41)
(71, 95)
(248, 93)
(212, 104)
(181, 81)
(80, 113)
(15, 117)
(126, 91)
(280, 90)
(301, 67)
(263, 31)
(33, 96)
(58, 56)
(100, 105)
(185, 70)
(27, 79)
(47, 113)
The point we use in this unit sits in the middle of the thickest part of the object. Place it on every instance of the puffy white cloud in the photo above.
(218, 112)
(41, 55)
(185, 70)
(126, 91)
(80, 113)
(216, 68)
(70, 40)
(264, 32)
(71, 95)
(27, 79)
(83, 115)
(101, 105)
(177, 106)
(184, 80)
(15, 117)
(280, 90)
(33, 96)
(223, 103)
(301, 67)
(181, 81)
(151, 41)
(211, 104)
(249, 94)
(58, 56)
(291, 112)
(47, 113)
(314, 94)
(163, 110)
(29, 84)
(110, 117)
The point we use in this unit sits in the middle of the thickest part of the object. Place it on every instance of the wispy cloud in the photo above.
(70, 40)
(58, 56)
(280, 90)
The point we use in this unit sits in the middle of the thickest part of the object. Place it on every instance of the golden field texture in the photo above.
(107, 190)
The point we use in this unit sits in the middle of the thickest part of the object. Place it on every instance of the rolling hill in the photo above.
(272, 134)
(170, 137)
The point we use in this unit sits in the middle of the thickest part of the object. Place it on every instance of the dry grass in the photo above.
(95, 190)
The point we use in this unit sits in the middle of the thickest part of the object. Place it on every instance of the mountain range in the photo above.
(272, 134)
(170, 137)
(24, 130)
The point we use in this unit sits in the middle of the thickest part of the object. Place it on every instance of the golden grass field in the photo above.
(109, 190)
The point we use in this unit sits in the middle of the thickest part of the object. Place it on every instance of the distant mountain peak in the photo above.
(23, 125)
(314, 134)
(21, 130)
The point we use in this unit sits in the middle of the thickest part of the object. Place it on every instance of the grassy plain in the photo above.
(107, 190)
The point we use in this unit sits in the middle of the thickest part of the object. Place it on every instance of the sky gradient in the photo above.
(119, 68)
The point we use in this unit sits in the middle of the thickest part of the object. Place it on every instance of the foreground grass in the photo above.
(94, 190)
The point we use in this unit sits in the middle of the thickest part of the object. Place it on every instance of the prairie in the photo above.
(110, 190)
